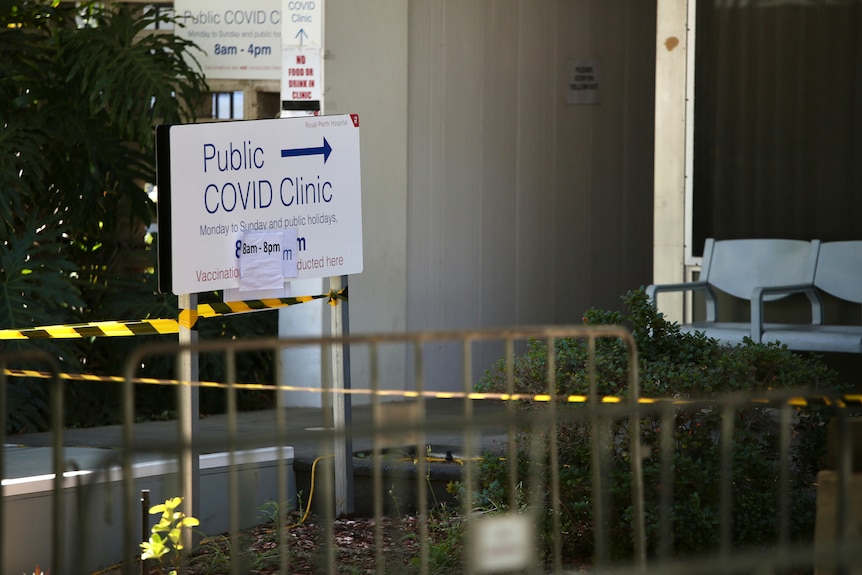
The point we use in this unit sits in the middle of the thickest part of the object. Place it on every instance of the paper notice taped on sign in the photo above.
(260, 261)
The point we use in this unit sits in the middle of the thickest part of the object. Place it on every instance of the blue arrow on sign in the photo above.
(302, 35)
(325, 150)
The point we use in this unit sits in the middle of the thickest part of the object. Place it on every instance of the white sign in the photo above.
(302, 45)
(241, 40)
(302, 24)
(583, 82)
(286, 188)
(301, 75)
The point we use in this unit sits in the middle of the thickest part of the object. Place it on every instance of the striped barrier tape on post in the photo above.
(188, 319)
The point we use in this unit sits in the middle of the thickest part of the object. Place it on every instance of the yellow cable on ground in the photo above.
(310, 491)
(458, 460)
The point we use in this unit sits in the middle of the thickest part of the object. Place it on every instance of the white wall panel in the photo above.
(495, 270)
(365, 72)
(523, 209)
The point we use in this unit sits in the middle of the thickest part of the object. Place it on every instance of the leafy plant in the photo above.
(677, 365)
(82, 86)
(80, 91)
(30, 397)
(446, 532)
(165, 544)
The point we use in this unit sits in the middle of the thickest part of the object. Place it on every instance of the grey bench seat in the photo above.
(748, 269)
(764, 270)
(819, 338)
(839, 274)
(724, 331)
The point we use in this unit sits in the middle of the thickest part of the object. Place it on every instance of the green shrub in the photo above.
(679, 365)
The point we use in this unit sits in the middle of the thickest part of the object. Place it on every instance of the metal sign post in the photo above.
(189, 416)
(341, 405)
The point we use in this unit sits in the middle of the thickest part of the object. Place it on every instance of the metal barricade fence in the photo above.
(46, 364)
(538, 482)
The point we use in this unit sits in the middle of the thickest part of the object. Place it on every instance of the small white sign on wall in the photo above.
(583, 81)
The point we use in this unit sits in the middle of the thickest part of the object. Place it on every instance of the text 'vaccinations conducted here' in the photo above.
(253, 203)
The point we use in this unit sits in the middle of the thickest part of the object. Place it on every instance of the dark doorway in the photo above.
(778, 120)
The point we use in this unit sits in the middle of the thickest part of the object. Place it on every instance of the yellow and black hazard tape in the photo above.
(94, 329)
(187, 319)
(795, 401)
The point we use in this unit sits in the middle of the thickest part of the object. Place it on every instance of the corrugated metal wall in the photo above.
(524, 209)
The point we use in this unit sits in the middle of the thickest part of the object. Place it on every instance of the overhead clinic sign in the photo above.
(254, 204)
(240, 40)
(250, 40)
(302, 45)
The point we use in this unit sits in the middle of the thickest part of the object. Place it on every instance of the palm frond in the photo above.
(115, 55)
(35, 284)
(22, 164)
(37, 287)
